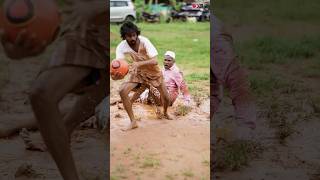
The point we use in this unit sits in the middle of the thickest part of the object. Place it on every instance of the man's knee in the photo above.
(123, 92)
(40, 95)
(167, 98)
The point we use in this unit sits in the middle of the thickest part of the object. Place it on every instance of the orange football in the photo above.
(119, 66)
(41, 17)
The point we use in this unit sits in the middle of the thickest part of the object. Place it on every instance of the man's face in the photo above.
(131, 38)
(168, 62)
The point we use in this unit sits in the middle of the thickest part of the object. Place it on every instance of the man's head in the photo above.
(169, 59)
(129, 32)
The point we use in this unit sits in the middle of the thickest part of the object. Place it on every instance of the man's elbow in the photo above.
(154, 62)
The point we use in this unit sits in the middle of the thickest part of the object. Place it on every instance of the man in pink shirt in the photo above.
(173, 78)
(226, 72)
(174, 82)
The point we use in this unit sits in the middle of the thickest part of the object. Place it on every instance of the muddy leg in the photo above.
(165, 99)
(124, 94)
(83, 109)
(85, 105)
(137, 94)
(44, 99)
(155, 102)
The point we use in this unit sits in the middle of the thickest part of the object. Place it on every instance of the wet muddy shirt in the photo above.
(148, 74)
(90, 51)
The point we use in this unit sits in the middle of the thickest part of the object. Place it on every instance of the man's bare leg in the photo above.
(137, 94)
(165, 100)
(45, 98)
(85, 105)
(124, 94)
(134, 97)
(83, 109)
(155, 102)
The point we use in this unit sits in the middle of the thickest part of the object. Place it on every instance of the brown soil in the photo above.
(159, 149)
(88, 146)
(298, 157)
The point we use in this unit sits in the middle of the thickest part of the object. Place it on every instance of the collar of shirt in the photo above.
(173, 68)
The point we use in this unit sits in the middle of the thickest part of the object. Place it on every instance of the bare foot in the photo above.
(158, 113)
(167, 116)
(33, 142)
(133, 125)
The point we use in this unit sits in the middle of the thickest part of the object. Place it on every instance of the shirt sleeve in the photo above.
(120, 51)
(182, 86)
(151, 50)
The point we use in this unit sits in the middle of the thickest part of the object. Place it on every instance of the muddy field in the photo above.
(88, 145)
(159, 148)
(278, 42)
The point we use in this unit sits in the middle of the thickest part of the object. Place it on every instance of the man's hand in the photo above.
(134, 67)
(187, 103)
(24, 45)
(116, 76)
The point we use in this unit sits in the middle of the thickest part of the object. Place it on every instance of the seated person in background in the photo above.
(174, 82)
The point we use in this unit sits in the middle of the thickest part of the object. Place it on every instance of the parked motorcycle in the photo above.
(187, 11)
(150, 17)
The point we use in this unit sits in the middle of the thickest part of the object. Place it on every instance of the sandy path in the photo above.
(160, 149)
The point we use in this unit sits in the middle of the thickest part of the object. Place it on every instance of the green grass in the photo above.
(188, 173)
(205, 163)
(127, 151)
(119, 173)
(197, 77)
(190, 42)
(182, 110)
(272, 11)
(235, 155)
(265, 50)
(171, 176)
(262, 84)
(150, 162)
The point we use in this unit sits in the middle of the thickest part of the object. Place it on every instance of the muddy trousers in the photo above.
(235, 80)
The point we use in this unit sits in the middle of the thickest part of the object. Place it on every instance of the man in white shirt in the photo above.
(144, 69)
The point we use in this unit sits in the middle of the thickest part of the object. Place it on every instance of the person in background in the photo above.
(226, 72)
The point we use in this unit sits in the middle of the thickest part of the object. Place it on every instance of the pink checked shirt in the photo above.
(174, 82)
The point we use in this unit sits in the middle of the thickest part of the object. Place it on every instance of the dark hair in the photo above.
(128, 27)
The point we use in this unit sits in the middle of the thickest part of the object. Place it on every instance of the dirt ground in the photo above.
(88, 145)
(159, 149)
